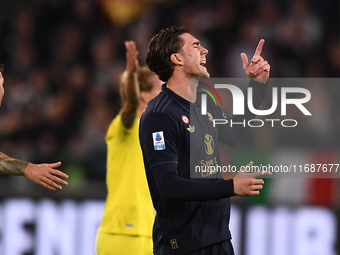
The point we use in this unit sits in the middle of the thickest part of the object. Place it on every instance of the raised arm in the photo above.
(130, 92)
(258, 69)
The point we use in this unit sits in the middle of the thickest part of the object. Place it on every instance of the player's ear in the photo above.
(177, 59)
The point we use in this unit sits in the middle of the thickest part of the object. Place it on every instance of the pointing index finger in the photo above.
(259, 174)
(259, 48)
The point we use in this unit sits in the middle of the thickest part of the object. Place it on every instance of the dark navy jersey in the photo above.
(204, 152)
(191, 213)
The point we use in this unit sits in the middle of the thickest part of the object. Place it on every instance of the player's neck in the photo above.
(180, 84)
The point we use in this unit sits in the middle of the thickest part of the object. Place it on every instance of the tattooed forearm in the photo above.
(132, 90)
(12, 166)
(131, 103)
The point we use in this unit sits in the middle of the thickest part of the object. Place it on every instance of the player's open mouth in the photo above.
(202, 63)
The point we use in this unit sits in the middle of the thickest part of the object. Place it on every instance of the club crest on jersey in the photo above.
(158, 140)
(185, 119)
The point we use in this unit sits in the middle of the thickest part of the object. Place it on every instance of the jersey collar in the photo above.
(185, 104)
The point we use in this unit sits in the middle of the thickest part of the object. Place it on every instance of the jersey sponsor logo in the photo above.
(185, 119)
(209, 144)
(158, 140)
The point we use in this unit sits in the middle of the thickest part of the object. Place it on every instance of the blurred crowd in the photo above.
(63, 60)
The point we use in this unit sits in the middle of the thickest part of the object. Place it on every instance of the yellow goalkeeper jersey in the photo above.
(128, 207)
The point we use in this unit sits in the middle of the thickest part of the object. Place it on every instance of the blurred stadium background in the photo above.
(63, 60)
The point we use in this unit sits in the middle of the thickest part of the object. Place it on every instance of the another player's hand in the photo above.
(258, 69)
(131, 56)
(246, 184)
(46, 175)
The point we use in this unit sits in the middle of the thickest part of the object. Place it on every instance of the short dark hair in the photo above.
(161, 47)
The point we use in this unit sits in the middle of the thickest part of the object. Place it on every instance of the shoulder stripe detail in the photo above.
(163, 101)
(161, 97)
(166, 105)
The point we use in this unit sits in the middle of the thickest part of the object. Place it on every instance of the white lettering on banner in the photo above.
(89, 223)
(314, 232)
(70, 228)
(16, 239)
(66, 228)
(281, 224)
(257, 232)
(235, 228)
(56, 227)
(1, 228)
(302, 231)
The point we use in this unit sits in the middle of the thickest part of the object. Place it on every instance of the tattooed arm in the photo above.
(12, 166)
(130, 92)
(42, 174)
